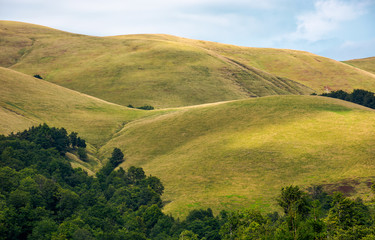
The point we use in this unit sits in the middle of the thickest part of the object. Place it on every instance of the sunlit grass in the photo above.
(250, 149)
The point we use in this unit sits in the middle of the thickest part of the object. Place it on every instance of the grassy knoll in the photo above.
(367, 64)
(26, 101)
(239, 154)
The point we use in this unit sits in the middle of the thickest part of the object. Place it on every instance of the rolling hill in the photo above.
(167, 71)
(136, 70)
(240, 153)
(367, 64)
(215, 142)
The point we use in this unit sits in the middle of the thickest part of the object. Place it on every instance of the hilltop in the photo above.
(367, 64)
(168, 71)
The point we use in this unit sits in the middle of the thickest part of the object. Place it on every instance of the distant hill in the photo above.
(240, 153)
(168, 71)
(367, 64)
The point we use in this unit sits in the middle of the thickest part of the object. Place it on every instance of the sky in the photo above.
(337, 29)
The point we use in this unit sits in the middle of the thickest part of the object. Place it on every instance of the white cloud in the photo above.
(327, 17)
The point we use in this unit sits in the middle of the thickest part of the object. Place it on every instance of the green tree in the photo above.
(73, 139)
(43, 229)
(348, 218)
(117, 157)
(82, 154)
(295, 205)
(188, 235)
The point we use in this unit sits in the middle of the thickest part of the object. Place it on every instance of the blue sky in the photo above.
(338, 29)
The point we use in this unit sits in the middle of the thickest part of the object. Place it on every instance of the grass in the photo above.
(367, 64)
(239, 154)
(167, 71)
(306, 68)
(158, 70)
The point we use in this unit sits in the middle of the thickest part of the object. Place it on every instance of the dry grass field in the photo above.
(167, 71)
(367, 64)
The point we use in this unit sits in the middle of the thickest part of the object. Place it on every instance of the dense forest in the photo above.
(358, 96)
(43, 197)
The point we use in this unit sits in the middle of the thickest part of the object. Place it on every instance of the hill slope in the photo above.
(135, 70)
(168, 71)
(367, 64)
(240, 153)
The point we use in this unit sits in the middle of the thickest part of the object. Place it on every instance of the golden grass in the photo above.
(367, 64)
(159, 70)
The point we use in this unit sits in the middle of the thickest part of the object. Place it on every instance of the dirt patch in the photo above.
(346, 187)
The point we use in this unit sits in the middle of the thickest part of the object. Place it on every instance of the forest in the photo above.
(43, 197)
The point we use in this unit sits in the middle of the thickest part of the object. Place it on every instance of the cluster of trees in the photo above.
(145, 107)
(43, 197)
(358, 96)
(306, 216)
(50, 137)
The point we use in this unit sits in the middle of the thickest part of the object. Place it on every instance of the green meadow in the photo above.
(239, 153)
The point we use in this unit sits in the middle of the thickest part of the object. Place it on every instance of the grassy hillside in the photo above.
(316, 72)
(168, 71)
(27, 101)
(237, 154)
(367, 64)
(135, 70)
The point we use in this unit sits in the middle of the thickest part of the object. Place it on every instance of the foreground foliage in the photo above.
(43, 197)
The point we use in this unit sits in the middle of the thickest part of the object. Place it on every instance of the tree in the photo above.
(73, 139)
(82, 153)
(38, 76)
(117, 157)
(81, 142)
(347, 213)
(295, 205)
(188, 235)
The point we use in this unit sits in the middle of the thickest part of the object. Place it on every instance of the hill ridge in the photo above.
(169, 71)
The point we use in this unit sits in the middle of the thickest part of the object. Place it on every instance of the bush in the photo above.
(146, 107)
(38, 76)
(82, 154)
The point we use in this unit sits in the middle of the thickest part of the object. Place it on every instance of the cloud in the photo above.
(327, 17)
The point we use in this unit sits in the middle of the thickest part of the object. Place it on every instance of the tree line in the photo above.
(358, 96)
(43, 197)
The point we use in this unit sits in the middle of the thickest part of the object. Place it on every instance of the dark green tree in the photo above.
(117, 157)
(73, 139)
